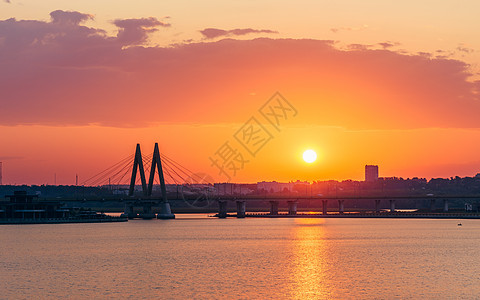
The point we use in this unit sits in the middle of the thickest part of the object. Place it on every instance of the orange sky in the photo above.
(75, 99)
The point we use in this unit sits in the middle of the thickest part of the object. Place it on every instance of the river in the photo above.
(196, 257)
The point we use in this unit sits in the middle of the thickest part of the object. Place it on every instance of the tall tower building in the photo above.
(371, 173)
(1, 174)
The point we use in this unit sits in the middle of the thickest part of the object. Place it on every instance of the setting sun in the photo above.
(309, 156)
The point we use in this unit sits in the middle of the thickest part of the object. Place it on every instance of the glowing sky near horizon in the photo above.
(374, 82)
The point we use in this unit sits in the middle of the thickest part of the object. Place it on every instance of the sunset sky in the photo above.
(393, 83)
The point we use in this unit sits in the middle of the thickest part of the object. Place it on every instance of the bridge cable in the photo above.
(96, 179)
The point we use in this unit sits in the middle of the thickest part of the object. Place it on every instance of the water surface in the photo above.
(199, 257)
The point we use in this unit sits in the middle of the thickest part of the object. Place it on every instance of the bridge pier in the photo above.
(432, 204)
(392, 205)
(341, 207)
(222, 209)
(165, 211)
(147, 212)
(274, 208)
(324, 206)
(445, 205)
(377, 205)
(129, 212)
(241, 208)
(292, 207)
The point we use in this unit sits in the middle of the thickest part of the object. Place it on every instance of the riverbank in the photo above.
(61, 221)
(399, 215)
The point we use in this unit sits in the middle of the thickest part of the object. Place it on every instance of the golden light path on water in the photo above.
(310, 261)
(206, 258)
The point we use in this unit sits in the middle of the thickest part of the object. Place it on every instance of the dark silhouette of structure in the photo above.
(148, 203)
(138, 164)
(22, 208)
(371, 173)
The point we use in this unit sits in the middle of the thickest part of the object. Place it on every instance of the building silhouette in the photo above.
(371, 173)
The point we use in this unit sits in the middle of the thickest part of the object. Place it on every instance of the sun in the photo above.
(309, 156)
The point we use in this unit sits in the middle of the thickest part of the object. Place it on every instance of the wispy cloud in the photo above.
(388, 45)
(357, 47)
(338, 29)
(211, 33)
(464, 49)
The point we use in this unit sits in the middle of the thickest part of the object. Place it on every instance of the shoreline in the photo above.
(60, 221)
(361, 216)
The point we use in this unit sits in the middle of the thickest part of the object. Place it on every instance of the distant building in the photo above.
(274, 187)
(23, 206)
(371, 173)
(1, 179)
(227, 188)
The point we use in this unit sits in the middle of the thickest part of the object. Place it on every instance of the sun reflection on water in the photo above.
(309, 263)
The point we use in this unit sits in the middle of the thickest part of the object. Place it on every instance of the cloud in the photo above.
(69, 18)
(387, 45)
(338, 29)
(424, 54)
(464, 49)
(358, 47)
(57, 74)
(135, 31)
(211, 33)
(7, 1)
(443, 54)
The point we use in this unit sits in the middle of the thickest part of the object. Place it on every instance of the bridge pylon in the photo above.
(165, 211)
(138, 164)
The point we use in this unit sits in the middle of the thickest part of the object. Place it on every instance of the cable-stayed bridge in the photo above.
(128, 178)
(122, 173)
(162, 170)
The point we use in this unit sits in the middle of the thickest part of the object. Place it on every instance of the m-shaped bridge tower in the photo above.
(148, 202)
